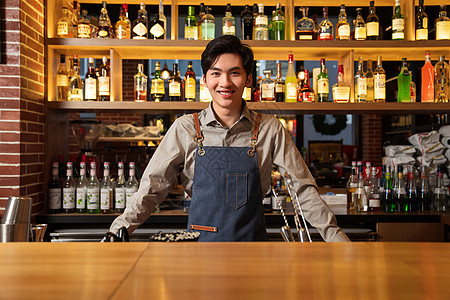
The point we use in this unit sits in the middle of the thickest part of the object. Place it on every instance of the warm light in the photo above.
(165, 73)
(301, 75)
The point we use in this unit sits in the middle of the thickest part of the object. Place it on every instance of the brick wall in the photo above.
(22, 102)
(371, 137)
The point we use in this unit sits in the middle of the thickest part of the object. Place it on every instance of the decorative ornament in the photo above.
(321, 126)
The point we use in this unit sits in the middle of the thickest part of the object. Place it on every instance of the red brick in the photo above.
(9, 81)
(34, 168)
(12, 92)
(9, 126)
(28, 137)
(35, 148)
(32, 12)
(31, 42)
(37, 87)
(9, 181)
(12, 25)
(37, 5)
(12, 48)
(30, 53)
(6, 192)
(11, 3)
(9, 137)
(34, 66)
(10, 170)
(9, 70)
(34, 106)
(37, 128)
(12, 36)
(11, 14)
(29, 158)
(31, 95)
(9, 148)
(35, 188)
(28, 179)
(29, 116)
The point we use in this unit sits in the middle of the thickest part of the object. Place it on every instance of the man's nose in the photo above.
(225, 80)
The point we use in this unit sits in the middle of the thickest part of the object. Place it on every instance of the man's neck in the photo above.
(227, 117)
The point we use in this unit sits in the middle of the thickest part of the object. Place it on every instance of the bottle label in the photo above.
(344, 32)
(291, 91)
(268, 91)
(189, 91)
(282, 200)
(62, 80)
(443, 30)
(174, 89)
(158, 86)
(140, 30)
(360, 33)
(279, 88)
(228, 30)
(341, 94)
(305, 37)
(63, 28)
(103, 33)
(68, 198)
(362, 87)
(398, 35)
(421, 34)
(267, 200)
(379, 86)
(398, 25)
(308, 97)
(128, 193)
(120, 197)
(75, 95)
(157, 30)
(105, 202)
(81, 198)
(374, 202)
(325, 36)
(92, 198)
(208, 30)
(191, 33)
(91, 88)
(54, 198)
(121, 32)
(84, 31)
(103, 86)
(323, 86)
(373, 28)
(261, 20)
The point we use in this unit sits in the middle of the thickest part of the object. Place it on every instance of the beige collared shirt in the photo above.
(274, 147)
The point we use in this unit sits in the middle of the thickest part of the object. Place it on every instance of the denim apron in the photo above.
(227, 197)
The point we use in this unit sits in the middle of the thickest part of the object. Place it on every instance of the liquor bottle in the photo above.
(256, 95)
(398, 23)
(413, 90)
(68, 188)
(277, 26)
(156, 29)
(267, 203)
(175, 83)
(439, 195)
(255, 14)
(442, 24)
(208, 25)
(325, 31)
(369, 82)
(54, 191)
(306, 92)
(372, 23)
(228, 22)
(84, 26)
(103, 81)
(360, 83)
(411, 191)
(201, 13)
(132, 184)
(374, 193)
(162, 17)
(267, 87)
(73, 25)
(62, 79)
(404, 83)
(105, 30)
(400, 195)
(351, 185)
(424, 193)
(204, 96)
(421, 23)
(125, 8)
(261, 25)
(305, 27)
(90, 83)
(291, 81)
(279, 85)
(122, 27)
(379, 82)
(189, 83)
(427, 89)
(139, 29)
(157, 90)
(247, 23)
(441, 80)
(360, 26)
(93, 191)
(323, 88)
(279, 202)
(62, 30)
(190, 25)
(387, 195)
(140, 85)
(342, 27)
(341, 90)
(75, 83)
(367, 177)
(81, 189)
(119, 190)
(106, 191)
(360, 192)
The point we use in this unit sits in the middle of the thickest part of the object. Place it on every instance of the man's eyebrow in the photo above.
(231, 69)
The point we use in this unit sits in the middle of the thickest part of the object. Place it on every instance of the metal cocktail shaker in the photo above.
(15, 225)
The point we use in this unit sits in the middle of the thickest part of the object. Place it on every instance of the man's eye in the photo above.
(235, 73)
(215, 74)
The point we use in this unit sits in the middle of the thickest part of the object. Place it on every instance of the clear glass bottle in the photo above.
(442, 24)
(139, 27)
(379, 82)
(398, 23)
(279, 85)
(267, 87)
(90, 82)
(156, 29)
(342, 27)
(351, 186)
(424, 194)
(75, 83)
(175, 84)
(190, 25)
(208, 25)
(373, 194)
(122, 27)
(325, 30)
(323, 87)
(439, 194)
(421, 23)
(63, 25)
(372, 23)
(125, 8)
(104, 81)
(247, 23)
(305, 27)
(157, 91)
(360, 83)
(81, 189)
(261, 25)
(132, 184)
(106, 191)
(411, 191)
(306, 92)
(404, 83)
(54, 191)
(105, 29)
(360, 192)
(360, 26)
(140, 85)
(427, 90)
(84, 26)
(341, 90)
(120, 190)
(201, 13)
(162, 17)
(93, 191)
(441, 80)
(277, 26)
(228, 22)
(68, 188)
(62, 79)
(279, 202)
(291, 81)
(73, 26)
(369, 82)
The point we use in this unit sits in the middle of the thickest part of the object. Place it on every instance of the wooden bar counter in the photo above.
(225, 271)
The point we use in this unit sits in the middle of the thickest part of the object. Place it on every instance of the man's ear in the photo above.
(204, 81)
(249, 81)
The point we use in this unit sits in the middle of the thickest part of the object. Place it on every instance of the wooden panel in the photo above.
(116, 76)
(410, 232)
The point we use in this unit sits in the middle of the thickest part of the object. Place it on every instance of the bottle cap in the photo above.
(120, 164)
(69, 164)
(291, 57)
(340, 68)
(106, 164)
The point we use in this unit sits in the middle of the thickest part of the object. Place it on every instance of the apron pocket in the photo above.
(237, 184)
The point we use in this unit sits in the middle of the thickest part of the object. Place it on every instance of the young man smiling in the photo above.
(227, 152)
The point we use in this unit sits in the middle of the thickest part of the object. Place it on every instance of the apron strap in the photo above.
(252, 151)
(199, 136)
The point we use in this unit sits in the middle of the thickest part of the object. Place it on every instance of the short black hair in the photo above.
(227, 44)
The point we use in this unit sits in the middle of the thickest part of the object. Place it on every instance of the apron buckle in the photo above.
(251, 152)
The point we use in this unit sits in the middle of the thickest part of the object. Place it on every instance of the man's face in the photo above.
(226, 80)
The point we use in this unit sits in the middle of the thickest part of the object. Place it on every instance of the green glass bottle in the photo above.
(323, 89)
(190, 25)
(398, 23)
(277, 26)
(404, 83)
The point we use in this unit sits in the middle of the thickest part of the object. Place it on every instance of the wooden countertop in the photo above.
(225, 271)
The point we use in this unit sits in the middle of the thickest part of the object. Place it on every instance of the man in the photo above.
(227, 152)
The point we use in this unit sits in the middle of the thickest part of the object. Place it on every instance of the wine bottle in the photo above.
(291, 81)
(54, 191)
(68, 189)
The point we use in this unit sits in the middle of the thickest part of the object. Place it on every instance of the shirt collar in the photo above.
(210, 118)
